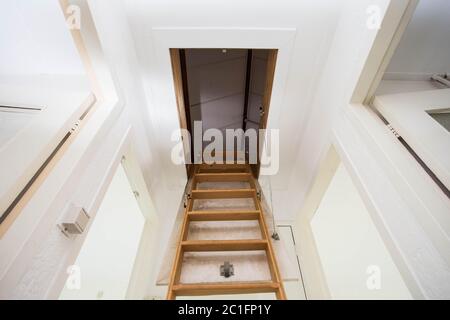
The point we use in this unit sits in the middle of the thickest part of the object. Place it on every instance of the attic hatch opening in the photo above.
(224, 89)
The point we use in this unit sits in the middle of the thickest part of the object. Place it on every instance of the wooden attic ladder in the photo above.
(224, 173)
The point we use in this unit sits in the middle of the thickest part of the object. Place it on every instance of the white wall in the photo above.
(425, 46)
(349, 245)
(108, 254)
(34, 39)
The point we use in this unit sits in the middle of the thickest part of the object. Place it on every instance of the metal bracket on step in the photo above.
(187, 197)
(275, 236)
(227, 269)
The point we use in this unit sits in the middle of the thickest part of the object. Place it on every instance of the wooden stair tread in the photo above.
(223, 245)
(223, 168)
(199, 289)
(223, 215)
(223, 193)
(223, 177)
(223, 165)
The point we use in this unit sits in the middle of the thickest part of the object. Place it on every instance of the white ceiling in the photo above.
(34, 39)
(314, 23)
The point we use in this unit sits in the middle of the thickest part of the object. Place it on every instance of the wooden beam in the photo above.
(248, 75)
(223, 215)
(270, 74)
(223, 245)
(273, 266)
(178, 261)
(187, 104)
(179, 74)
(225, 288)
(267, 96)
(223, 194)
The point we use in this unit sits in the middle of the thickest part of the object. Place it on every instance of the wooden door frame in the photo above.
(178, 61)
(248, 77)
(270, 76)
